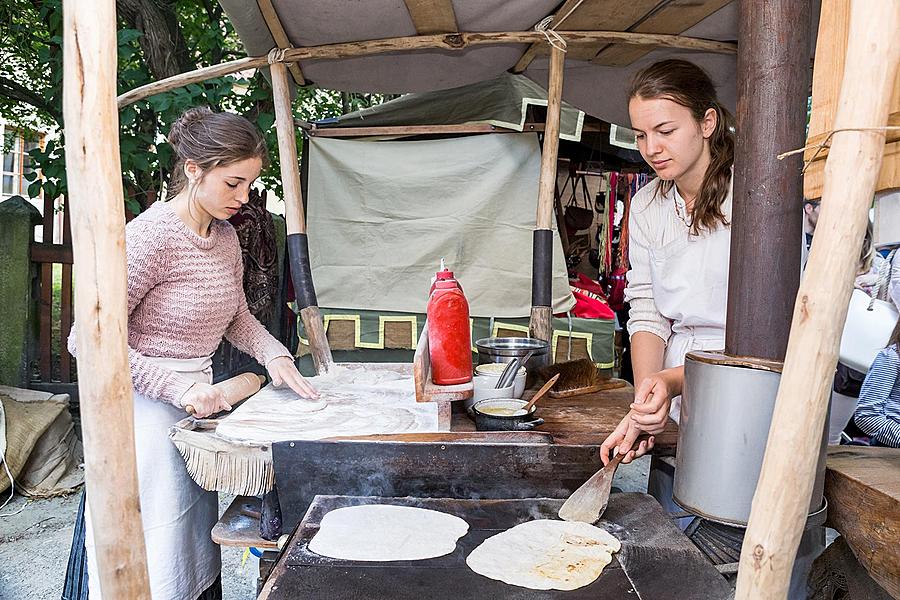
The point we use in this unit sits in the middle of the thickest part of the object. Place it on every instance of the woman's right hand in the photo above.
(622, 439)
(652, 400)
(204, 399)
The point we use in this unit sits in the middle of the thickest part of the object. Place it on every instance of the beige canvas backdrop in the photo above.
(381, 215)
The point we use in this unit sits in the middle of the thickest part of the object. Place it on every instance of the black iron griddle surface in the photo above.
(656, 559)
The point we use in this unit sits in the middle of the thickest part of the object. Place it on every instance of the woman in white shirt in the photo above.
(679, 241)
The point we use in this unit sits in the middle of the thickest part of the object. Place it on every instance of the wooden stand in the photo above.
(779, 510)
(427, 391)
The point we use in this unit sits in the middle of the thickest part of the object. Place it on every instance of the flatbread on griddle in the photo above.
(382, 532)
(545, 555)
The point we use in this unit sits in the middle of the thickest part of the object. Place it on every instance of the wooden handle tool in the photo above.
(540, 393)
(589, 501)
(236, 389)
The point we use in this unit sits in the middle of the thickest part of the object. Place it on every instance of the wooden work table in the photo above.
(862, 486)
(586, 419)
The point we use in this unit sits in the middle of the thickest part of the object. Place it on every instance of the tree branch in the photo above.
(16, 91)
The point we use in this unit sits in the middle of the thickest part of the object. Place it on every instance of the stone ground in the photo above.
(36, 537)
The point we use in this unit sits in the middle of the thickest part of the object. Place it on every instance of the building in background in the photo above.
(17, 143)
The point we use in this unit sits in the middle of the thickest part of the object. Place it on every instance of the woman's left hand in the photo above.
(282, 371)
(650, 409)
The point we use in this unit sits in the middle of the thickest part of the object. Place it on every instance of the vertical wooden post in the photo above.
(542, 256)
(98, 244)
(298, 245)
(773, 84)
(785, 483)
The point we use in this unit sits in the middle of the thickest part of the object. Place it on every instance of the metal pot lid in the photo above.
(512, 344)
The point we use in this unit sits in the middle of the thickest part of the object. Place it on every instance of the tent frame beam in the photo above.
(453, 41)
(347, 132)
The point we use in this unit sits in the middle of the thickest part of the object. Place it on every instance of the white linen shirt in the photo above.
(678, 282)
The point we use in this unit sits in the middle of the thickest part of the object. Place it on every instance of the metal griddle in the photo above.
(656, 559)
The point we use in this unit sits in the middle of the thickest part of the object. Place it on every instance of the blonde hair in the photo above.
(211, 140)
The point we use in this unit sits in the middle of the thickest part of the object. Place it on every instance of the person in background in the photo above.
(848, 381)
(810, 219)
(878, 411)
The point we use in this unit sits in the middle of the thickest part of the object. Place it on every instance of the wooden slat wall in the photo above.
(65, 316)
(45, 319)
(432, 16)
(46, 254)
(674, 17)
(828, 71)
(613, 15)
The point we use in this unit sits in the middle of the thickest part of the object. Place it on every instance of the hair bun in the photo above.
(183, 126)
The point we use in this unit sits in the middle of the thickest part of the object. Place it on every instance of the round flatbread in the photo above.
(382, 532)
(545, 555)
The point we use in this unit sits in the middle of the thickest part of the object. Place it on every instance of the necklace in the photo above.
(682, 216)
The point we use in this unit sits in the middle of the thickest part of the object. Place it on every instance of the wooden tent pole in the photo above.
(542, 255)
(773, 84)
(298, 245)
(779, 511)
(98, 247)
(451, 41)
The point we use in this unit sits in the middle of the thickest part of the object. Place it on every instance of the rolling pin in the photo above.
(236, 390)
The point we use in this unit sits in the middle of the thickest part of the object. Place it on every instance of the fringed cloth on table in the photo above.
(244, 469)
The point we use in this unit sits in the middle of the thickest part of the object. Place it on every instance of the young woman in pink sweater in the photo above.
(185, 294)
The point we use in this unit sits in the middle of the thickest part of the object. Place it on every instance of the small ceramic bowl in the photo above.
(494, 370)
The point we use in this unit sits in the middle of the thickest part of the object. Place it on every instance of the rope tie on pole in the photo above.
(276, 55)
(826, 143)
(553, 38)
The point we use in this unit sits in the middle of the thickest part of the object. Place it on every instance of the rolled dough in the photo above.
(381, 532)
(351, 402)
(545, 555)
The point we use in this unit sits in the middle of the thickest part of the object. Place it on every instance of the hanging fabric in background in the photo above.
(256, 232)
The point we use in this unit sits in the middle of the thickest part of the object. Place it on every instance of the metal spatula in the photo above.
(589, 501)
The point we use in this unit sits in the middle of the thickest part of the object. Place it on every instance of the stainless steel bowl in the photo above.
(502, 349)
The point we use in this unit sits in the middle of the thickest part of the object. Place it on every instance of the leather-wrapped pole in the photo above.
(542, 268)
(301, 271)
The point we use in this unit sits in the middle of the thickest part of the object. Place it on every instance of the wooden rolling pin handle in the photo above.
(235, 389)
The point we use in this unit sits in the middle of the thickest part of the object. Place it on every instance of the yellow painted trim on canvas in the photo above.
(357, 330)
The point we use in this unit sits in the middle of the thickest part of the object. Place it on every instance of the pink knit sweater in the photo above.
(185, 293)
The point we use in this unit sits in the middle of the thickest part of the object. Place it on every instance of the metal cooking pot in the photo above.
(484, 421)
(726, 412)
(502, 349)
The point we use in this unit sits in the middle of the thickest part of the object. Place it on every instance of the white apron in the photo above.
(690, 288)
(177, 514)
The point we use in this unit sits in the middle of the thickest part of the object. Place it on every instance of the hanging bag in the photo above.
(869, 323)
(579, 217)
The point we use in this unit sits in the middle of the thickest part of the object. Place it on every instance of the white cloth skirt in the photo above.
(177, 514)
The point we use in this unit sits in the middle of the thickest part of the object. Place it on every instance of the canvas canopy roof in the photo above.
(596, 73)
(502, 101)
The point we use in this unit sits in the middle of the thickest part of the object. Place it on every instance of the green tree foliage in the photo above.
(156, 39)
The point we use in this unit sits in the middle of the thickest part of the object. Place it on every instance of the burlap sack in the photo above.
(38, 442)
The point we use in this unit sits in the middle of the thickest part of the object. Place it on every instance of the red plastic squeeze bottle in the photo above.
(449, 335)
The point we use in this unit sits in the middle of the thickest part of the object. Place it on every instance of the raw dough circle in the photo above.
(545, 555)
(383, 532)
